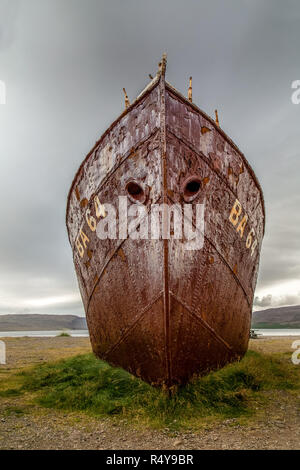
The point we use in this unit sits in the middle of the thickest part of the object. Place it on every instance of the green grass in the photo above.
(63, 333)
(10, 392)
(14, 411)
(87, 384)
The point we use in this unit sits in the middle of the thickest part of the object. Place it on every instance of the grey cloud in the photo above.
(265, 301)
(8, 16)
(65, 63)
(271, 301)
(72, 308)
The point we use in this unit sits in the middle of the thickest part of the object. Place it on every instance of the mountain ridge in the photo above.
(41, 322)
(278, 317)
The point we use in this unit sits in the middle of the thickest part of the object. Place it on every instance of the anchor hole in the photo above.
(191, 189)
(135, 191)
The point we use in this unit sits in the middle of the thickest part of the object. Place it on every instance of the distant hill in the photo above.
(36, 322)
(281, 317)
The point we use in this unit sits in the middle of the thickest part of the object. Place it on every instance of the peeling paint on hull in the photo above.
(159, 311)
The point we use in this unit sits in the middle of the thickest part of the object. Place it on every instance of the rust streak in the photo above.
(203, 322)
(211, 166)
(165, 242)
(115, 168)
(126, 333)
(225, 261)
(107, 263)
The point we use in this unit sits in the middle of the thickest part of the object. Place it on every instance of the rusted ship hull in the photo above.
(154, 308)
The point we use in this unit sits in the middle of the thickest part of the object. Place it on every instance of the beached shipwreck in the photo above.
(154, 307)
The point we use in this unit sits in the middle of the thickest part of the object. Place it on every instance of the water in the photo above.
(278, 332)
(84, 333)
(47, 334)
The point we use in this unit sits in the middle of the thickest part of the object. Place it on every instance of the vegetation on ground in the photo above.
(86, 384)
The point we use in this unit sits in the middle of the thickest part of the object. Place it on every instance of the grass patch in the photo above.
(10, 392)
(63, 334)
(87, 384)
(14, 411)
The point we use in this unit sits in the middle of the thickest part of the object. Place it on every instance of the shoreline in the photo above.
(282, 333)
(24, 424)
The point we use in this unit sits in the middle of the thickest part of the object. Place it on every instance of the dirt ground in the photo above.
(275, 426)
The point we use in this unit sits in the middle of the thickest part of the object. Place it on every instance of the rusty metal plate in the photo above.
(158, 310)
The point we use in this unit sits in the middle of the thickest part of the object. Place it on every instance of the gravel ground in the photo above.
(276, 425)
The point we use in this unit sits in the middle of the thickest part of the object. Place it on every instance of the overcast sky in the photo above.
(65, 63)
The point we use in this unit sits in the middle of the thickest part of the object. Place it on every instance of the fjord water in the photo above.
(38, 334)
(84, 333)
